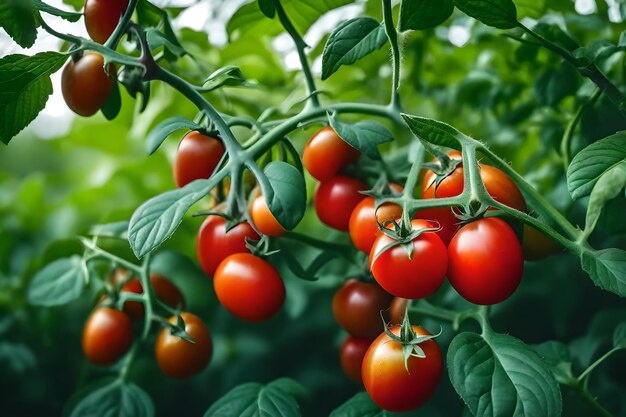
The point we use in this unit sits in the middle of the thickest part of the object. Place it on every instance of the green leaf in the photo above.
(24, 89)
(619, 336)
(501, 14)
(17, 357)
(166, 128)
(557, 356)
(58, 283)
(609, 185)
(17, 18)
(117, 229)
(267, 8)
(599, 50)
(351, 41)
(69, 16)
(113, 105)
(117, 399)
(592, 162)
(424, 14)
(288, 202)
(433, 131)
(501, 376)
(278, 398)
(364, 136)
(76, 4)
(157, 39)
(531, 8)
(607, 269)
(555, 84)
(227, 76)
(359, 405)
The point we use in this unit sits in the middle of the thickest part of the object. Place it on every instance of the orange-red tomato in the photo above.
(163, 288)
(197, 157)
(85, 85)
(351, 356)
(263, 218)
(387, 381)
(102, 16)
(357, 306)
(325, 154)
(536, 245)
(335, 199)
(214, 244)
(249, 287)
(107, 336)
(178, 358)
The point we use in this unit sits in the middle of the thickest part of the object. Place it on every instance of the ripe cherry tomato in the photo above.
(85, 85)
(396, 310)
(387, 381)
(325, 154)
(485, 261)
(197, 157)
(351, 356)
(357, 306)
(249, 287)
(363, 225)
(107, 336)
(335, 199)
(178, 358)
(416, 277)
(536, 245)
(102, 16)
(214, 244)
(263, 218)
(163, 288)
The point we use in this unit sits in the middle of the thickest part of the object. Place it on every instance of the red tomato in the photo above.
(387, 381)
(107, 336)
(396, 310)
(536, 245)
(178, 358)
(263, 218)
(249, 287)
(197, 157)
(416, 277)
(335, 199)
(163, 288)
(102, 16)
(85, 85)
(357, 306)
(485, 261)
(351, 356)
(214, 244)
(325, 154)
(363, 225)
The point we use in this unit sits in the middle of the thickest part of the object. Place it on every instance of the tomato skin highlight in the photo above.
(335, 199)
(387, 381)
(85, 85)
(249, 287)
(197, 157)
(178, 358)
(485, 261)
(410, 278)
(214, 244)
(325, 154)
(357, 306)
(537, 246)
(164, 290)
(351, 356)
(263, 218)
(107, 336)
(102, 16)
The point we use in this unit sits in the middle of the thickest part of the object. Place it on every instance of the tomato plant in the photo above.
(163, 288)
(85, 84)
(107, 336)
(197, 157)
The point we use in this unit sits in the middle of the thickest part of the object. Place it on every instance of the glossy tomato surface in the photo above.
(386, 379)
(412, 278)
(325, 154)
(485, 261)
(107, 336)
(164, 290)
(335, 199)
(249, 287)
(102, 16)
(197, 157)
(263, 218)
(351, 356)
(85, 85)
(397, 309)
(179, 358)
(357, 306)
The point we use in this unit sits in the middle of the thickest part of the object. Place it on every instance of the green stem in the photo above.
(593, 402)
(149, 296)
(104, 254)
(571, 127)
(425, 308)
(128, 361)
(392, 35)
(591, 367)
(122, 25)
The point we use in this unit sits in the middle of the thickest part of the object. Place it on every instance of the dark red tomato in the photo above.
(249, 287)
(335, 199)
(102, 16)
(351, 356)
(485, 261)
(325, 154)
(179, 358)
(197, 157)
(396, 310)
(263, 218)
(107, 336)
(416, 277)
(387, 381)
(85, 85)
(163, 288)
(363, 225)
(536, 245)
(357, 306)
(214, 244)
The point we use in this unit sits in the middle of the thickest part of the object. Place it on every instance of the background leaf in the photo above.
(119, 399)
(58, 283)
(289, 198)
(17, 17)
(364, 136)
(607, 269)
(501, 14)
(424, 14)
